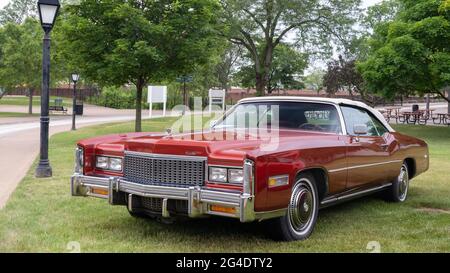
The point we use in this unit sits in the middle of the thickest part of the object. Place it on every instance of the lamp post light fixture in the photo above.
(75, 77)
(48, 10)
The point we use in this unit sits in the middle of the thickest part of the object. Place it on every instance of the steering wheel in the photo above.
(310, 127)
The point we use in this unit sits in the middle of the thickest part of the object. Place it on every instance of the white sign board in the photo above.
(157, 94)
(216, 96)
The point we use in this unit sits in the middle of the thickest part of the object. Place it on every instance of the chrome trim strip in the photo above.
(354, 194)
(364, 166)
(167, 156)
(165, 213)
(270, 214)
(341, 120)
(130, 202)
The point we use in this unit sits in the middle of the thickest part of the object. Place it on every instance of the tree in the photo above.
(342, 75)
(116, 42)
(411, 54)
(260, 26)
(226, 66)
(314, 80)
(20, 56)
(16, 11)
(287, 65)
(385, 11)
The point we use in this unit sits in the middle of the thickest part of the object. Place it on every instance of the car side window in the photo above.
(353, 116)
(380, 127)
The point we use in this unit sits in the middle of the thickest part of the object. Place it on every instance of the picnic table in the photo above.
(411, 117)
(392, 112)
(416, 117)
(442, 118)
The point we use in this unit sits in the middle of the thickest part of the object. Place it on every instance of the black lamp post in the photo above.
(48, 10)
(75, 77)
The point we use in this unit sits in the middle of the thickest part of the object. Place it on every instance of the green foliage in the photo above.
(115, 97)
(260, 26)
(314, 80)
(411, 54)
(21, 54)
(287, 65)
(116, 42)
(16, 11)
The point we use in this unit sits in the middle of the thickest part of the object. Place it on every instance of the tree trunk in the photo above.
(138, 122)
(268, 56)
(260, 84)
(30, 101)
(448, 101)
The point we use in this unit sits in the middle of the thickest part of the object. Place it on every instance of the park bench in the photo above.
(58, 106)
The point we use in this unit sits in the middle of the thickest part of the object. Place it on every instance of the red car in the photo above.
(271, 158)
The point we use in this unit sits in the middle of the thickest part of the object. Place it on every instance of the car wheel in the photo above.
(301, 216)
(398, 192)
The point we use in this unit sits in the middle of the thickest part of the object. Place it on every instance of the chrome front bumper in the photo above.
(199, 199)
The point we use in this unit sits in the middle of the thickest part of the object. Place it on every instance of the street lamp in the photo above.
(75, 77)
(48, 10)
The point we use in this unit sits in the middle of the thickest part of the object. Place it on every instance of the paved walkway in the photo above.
(19, 139)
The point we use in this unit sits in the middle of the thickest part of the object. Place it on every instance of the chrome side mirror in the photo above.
(360, 129)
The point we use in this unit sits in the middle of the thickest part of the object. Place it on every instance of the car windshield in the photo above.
(287, 115)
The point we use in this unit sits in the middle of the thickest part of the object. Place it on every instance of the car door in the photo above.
(368, 156)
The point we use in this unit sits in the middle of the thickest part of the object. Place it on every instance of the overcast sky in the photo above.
(366, 3)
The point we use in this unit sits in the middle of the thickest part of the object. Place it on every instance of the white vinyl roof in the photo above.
(325, 100)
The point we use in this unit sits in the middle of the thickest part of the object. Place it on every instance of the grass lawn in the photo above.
(16, 115)
(42, 216)
(23, 101)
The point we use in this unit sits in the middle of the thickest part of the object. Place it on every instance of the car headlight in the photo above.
(235, 176)
(101, 162)
(115, 164)
(226, 175)
(218, 174)
(108, 163)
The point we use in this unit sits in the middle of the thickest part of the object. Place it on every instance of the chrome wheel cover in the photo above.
(403, 183)
(302, 207)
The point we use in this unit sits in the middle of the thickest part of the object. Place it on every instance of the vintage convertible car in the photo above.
(279, 159)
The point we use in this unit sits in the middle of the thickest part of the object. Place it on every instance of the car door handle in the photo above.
(384, 146)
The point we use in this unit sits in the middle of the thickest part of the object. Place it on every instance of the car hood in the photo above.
(222, 146)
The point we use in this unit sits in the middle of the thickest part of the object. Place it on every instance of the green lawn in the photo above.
(23, 101)
(42, 216)
(15, 115)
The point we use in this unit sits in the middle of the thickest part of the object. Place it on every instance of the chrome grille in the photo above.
(171, 170)
(154, 204)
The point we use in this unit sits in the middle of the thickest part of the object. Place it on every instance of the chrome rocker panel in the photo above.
(199, 199)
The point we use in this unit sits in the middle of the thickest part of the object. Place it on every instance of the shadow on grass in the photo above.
(225, 229)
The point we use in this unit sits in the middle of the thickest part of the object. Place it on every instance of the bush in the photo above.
(116, 97)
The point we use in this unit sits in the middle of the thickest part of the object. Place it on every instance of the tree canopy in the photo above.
(411, 54)
(21, 55)
(287, 67)
(139, 41)
(17, 11)
(260, 26)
